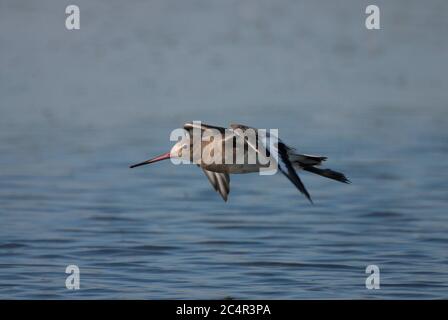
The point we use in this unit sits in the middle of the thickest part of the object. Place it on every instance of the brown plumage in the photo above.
(218, 172)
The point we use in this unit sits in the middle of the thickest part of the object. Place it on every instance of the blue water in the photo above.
(78, 107)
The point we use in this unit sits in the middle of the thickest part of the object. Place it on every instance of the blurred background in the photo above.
(77, 107)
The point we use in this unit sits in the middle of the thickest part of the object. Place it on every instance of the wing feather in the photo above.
(290, 173)
(220, 182)
(202, 126)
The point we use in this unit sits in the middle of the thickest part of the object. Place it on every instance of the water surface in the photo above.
(78, 107)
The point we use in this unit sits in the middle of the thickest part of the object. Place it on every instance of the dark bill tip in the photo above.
(158, 158)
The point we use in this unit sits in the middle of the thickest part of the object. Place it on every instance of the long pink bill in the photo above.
(158, 158)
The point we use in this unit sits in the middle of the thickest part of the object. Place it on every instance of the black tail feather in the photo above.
(328, 173)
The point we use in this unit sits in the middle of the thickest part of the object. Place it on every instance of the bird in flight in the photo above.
(271, 153)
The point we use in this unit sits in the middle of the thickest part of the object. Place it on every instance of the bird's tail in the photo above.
(308, 163)
(328, 173)
(303, 160)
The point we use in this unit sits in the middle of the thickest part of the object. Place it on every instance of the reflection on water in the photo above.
(78, 108)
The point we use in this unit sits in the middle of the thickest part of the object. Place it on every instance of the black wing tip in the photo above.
(291, 174)
(224, 196)
(342, 178)
(307, 195)
(311, 201)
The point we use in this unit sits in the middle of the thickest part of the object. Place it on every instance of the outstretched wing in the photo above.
(284, 165)
(290, 173)
(243, 128)
(220, 182)
(263, 140)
